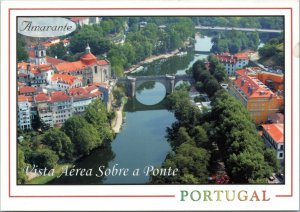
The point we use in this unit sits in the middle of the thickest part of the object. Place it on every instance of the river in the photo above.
(141, 141)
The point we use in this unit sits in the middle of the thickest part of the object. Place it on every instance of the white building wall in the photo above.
(61, 111)
(24, 121)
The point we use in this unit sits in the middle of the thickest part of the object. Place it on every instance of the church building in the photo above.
(89, 69)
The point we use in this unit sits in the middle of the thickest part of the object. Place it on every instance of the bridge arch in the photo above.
(169, 81)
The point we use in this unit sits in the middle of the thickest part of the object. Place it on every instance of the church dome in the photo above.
(88, 58)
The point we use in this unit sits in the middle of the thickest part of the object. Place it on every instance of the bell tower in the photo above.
(40, 54)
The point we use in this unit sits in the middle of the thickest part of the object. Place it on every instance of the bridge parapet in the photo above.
(169, 81)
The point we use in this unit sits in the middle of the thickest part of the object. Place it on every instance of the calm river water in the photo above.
(141, 141)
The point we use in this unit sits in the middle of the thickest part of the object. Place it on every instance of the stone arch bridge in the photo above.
(169, 81)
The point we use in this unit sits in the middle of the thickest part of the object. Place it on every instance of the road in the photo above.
(239, 29)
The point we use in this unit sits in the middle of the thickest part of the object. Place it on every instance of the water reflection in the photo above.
(99, 157)
(150, 93)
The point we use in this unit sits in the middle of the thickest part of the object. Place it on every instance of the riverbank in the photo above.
(151, 59)
(118, 121)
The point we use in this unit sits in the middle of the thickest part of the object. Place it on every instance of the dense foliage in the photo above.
(207, 80)
(58, 50)
(226, 133)
(22, 54)
(235, 41)
(274, 52)
(244, 154)
(245, 21)
(78, 136)
(189, 142)
(139, 42)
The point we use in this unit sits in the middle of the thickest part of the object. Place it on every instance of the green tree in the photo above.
(22, 54)
(201, 138)
(21, 167)
(270, 158)
(96, 114)
(58, 50)
(83, 135)
(43, 158)
(59, 142)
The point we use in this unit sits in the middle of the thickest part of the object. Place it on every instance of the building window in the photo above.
(280, 155)
(96, 71)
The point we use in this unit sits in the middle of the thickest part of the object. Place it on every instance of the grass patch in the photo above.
(46, 179)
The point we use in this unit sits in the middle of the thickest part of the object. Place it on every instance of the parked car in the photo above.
(271, 178)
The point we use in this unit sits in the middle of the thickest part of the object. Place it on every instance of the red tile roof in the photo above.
(59, 96)
(102, 62)
(30, 99)
(70, 66)
(35, 71)
(22, 98)
(67, 79)
(54, 61)
(44, 67)
(23, 65)
(276, 131)
(27, 89)
(242, 55)
(241, 72)
(91, 88)
(78, 91)
(77, 19)
(88, 59)
(226, 58)
(252, 87)
(79, 65)
(229, 58)
(42, 97)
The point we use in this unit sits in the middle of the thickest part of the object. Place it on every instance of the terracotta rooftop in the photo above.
(276, 131)
(27, 89)
(229, 58)
(91, 88)
(23, 65)
(78, 91)
(67, 79)
(42, 97)
(22, 98)
(226, 58)
(242, 55)
(59, 96)
(80, 64)
(54, 61)
(44, 67)
(77, 19)
(253, 87)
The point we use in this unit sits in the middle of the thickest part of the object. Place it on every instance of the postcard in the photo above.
(149, 105)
